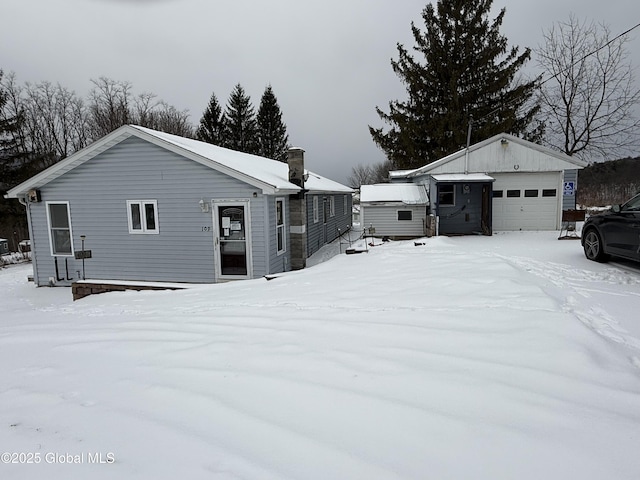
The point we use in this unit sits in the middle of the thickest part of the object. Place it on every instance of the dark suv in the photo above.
(615, 232)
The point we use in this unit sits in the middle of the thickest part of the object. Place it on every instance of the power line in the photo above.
(471, 120)
(584, 57)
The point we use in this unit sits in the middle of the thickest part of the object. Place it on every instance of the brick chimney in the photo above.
(297, 210)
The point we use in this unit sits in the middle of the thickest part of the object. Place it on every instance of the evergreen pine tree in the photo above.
(468, 72)
(210, 129)
(240, 126)
(272, 132)
(15, 167)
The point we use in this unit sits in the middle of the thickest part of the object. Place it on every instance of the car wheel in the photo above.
(593, 246)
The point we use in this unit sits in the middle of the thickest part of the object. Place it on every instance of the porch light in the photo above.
(504, 142)
(204, 206)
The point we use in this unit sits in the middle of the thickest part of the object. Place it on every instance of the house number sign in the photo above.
(206, 229)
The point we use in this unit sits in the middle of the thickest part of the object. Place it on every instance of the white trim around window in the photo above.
(332, 206)
(281, 238)
(316, 211)
(142, 216)
(446, 195)
(59, 223)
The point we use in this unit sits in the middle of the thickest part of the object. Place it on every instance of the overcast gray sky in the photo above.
(328, 61)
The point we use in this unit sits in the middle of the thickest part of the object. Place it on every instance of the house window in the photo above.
(549, 192)
(531, 193)
(344, 206)
(405, 215)
(142, 216)
(280, 228)
(498, 193)
(332, 206)
(316, 215)
(59, 229)
(446, 195)
(513, 193)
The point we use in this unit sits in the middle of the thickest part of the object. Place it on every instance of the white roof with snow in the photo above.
(269, 175)
(406, 193)
(461, 177)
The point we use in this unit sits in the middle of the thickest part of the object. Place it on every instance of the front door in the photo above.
(232, 240)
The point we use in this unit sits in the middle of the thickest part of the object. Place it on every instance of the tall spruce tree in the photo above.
(272, 132)
(468, 72)
(240, 126)
(210, 129)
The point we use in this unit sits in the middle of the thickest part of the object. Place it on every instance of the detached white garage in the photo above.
(530, 181)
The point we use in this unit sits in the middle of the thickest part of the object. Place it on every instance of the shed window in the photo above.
(405, 215)
(498, 193)
(332, 206)
(344, 205)
(142, 216)
(549, 192)
(531, 193)
(513, 193)
(316, 215)
(59, 228)
(446, 195)
(280, 227)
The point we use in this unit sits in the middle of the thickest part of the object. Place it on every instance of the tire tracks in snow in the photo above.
(575, 287)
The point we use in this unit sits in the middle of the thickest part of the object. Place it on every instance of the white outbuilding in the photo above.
(526, 186)
(394, 210)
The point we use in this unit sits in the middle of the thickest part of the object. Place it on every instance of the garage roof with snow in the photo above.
(406, 193)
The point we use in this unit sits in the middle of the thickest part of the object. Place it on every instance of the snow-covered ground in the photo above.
(503, 357)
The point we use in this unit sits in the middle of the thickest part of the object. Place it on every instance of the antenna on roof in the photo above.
(466, 153)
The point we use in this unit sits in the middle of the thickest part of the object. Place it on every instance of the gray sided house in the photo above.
(142, 205)
(329, 215)
(503, 183)
(394, 210)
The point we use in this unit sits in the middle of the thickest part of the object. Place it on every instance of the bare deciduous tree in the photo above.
(111, 105)
(167, 118)
(590, 100)
(381, 171)
(109, 102)
(53, 120)
(369, 174)
(360, 175)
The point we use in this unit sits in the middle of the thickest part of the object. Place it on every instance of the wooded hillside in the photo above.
(608, 183)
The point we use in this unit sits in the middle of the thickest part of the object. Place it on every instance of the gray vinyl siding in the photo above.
(569, 201)
(183, 251)
(465, 216)
(384, 218)
(320, 234)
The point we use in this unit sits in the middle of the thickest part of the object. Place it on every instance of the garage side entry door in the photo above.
(526, 201)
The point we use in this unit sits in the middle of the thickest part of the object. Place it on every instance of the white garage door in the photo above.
(526, 201)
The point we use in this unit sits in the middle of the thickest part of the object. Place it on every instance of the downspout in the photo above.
(34, 264)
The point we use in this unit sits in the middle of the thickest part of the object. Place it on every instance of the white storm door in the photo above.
(232, 240)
